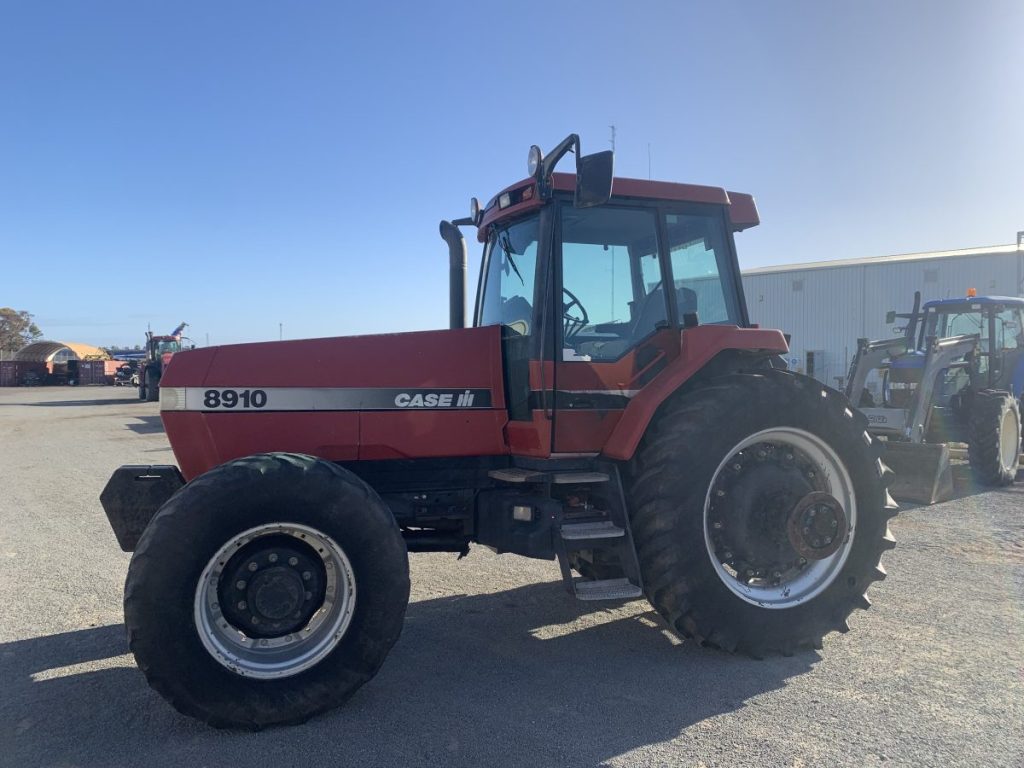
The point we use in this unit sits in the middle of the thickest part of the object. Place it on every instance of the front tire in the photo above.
(724, 492)
(266, 591)
(994, 436)
(152, 390)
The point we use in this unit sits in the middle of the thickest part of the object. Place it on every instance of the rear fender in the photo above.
(701, 355)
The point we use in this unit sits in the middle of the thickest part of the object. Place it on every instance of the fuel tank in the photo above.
(390, 396)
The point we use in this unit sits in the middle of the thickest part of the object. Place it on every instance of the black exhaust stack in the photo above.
(456, 271)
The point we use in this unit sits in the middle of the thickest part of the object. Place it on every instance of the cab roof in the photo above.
(960, 301)
(523, 197)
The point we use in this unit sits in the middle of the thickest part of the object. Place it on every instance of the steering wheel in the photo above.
(572, 322)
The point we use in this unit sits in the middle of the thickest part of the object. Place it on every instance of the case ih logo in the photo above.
(463, 399)
(239, 399)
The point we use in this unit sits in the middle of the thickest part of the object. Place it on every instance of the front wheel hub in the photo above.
(817, 526)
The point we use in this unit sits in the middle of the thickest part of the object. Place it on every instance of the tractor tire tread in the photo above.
(300, 697)
(658, 492)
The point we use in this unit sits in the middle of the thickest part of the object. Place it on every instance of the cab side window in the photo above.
(700, 268)
(612, 296)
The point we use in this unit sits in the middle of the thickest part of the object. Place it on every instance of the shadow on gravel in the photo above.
(506, 678)
(76, 403)
(146, 425)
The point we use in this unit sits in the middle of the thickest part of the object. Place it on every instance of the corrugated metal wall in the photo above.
(826, 309)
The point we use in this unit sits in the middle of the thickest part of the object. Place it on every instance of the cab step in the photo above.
(606, 589)
(599, 529)
(522, 475)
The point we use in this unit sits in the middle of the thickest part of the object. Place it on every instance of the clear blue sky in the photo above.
(241, 164)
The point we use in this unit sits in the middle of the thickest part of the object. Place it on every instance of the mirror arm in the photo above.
(570, 143)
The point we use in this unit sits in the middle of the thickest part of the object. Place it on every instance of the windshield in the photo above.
(163, 347)
(510, 268)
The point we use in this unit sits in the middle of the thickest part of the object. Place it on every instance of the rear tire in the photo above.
(173, 639)
(994, 436)
(686, 569)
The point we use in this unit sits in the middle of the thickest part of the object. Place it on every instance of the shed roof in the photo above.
(44, 351)
(871, 260)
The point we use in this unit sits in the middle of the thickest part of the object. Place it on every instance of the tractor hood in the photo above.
(393, 396)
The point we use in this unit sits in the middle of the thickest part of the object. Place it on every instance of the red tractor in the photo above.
(159, 351)
(611, 407)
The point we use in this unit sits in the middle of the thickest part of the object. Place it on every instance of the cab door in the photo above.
(631, 279)
(615, 331)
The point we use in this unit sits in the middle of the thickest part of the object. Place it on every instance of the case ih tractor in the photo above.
(611, 407)
(956, 375)
(159, 351)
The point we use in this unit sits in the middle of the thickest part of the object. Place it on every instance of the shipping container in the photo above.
(19, 373)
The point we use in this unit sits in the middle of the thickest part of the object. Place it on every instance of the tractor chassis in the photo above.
(570, 509)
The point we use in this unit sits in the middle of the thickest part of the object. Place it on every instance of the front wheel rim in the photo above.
(289, 652)
(801, 579)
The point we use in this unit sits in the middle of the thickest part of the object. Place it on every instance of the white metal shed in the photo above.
(828, 305)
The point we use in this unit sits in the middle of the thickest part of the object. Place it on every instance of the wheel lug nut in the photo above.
(727, 555)
(835, 523)
(807, 531)
(737, 466)
(309, 595)
(252, 566)
(293, 561)
(716, 525)
(273, 557)
(719, 493)
(240, 584)
(255, 619)
(306, 575)
(242, 605)
(828, 540)
(810, 474)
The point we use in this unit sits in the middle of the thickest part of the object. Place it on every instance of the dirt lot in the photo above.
(497, 665)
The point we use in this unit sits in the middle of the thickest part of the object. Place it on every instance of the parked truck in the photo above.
(611, 407)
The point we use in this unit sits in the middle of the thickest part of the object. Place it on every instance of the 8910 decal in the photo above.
(234, 398)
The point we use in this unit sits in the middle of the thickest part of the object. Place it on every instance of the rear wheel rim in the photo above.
(793, 580)
(250, 651)
(1009, 441)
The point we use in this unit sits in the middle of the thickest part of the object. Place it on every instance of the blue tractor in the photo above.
(955, 375)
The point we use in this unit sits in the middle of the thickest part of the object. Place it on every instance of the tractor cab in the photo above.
(997, 362)
(593, 291)
(159, 346)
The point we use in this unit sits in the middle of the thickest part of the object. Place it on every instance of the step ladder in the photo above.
(605, 533)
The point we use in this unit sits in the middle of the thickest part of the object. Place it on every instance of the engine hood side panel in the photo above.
(423, 394)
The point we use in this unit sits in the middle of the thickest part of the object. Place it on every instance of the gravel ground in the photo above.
(497, 665)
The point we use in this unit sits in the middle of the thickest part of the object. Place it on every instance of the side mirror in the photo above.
(594, 174)
(890, 317)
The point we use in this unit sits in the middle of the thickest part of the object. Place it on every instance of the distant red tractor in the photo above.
(611, 407)
(159, 351)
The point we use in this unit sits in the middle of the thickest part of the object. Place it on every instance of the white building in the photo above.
(828, 305)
